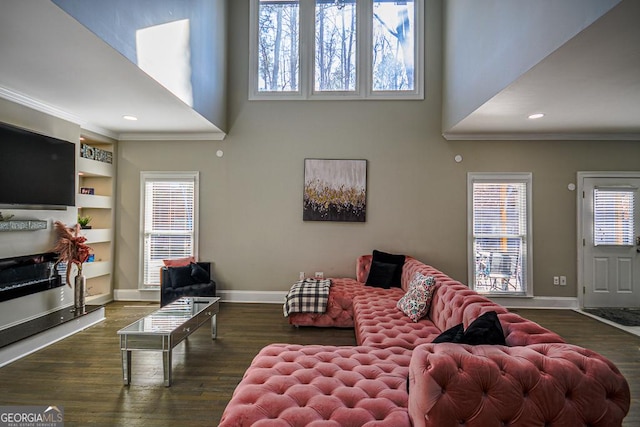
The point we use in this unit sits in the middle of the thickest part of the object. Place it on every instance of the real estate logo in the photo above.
(31, 416)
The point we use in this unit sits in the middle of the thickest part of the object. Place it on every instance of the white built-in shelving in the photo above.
(100, 177)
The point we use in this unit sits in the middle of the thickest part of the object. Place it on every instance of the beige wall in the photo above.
(251, 199)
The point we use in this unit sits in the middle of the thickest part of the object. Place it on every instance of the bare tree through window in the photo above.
(311, 47)
(278, 58)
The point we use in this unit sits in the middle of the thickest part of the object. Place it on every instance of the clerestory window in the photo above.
(328, 49)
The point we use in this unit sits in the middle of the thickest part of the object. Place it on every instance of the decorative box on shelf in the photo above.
(93, 153)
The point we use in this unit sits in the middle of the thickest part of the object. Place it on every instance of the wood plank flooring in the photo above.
(83, 373)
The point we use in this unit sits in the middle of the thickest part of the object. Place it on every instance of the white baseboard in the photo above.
(564, 303)
(136, 295)
(34, 343)
(267, 297)
(277, 297)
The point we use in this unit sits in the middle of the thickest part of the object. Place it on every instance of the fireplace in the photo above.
(28, 274)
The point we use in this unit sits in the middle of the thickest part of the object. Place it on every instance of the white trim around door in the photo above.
(582, 211)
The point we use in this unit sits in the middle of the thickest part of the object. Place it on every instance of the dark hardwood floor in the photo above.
(83, 373)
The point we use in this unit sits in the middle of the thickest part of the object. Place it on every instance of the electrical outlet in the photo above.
(301, 276)
(319, 275)
(563, 280)
(556, 280)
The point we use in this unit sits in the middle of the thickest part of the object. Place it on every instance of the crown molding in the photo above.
(34, 104)
(452, 136)
(172, 136)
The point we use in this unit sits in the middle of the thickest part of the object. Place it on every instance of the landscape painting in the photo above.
(335, 190)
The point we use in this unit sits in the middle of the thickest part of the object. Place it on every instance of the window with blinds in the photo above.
(169, 221)
(500, 227)
(613, 216)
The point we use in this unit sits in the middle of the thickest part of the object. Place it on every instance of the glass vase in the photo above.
(79, 292)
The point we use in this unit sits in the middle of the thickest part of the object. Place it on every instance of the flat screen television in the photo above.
(36, 171)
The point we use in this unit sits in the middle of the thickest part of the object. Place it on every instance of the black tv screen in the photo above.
(36, 171)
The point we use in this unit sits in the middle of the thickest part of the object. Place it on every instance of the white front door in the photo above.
(611, 241)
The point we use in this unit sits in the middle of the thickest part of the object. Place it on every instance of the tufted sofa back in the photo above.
(538, 385)
(455, 303)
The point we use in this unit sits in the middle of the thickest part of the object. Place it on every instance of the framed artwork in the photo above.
(335, 190)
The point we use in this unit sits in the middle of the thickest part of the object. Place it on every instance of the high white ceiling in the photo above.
(588, 89)
(51, 62)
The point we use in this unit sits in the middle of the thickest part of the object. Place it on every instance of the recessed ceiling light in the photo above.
(132, 118)
(536, 116)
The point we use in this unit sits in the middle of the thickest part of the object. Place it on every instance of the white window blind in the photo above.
(169, 222)
(613, 216)
(500, 230)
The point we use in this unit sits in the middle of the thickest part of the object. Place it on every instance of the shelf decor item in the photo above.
(5, 217)
(87, 151)
(71, 248)
(93, 153)
(87, 190)
(84, 222)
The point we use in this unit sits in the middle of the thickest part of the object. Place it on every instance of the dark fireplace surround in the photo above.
(28, 274)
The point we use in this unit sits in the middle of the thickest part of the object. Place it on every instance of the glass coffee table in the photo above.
(165, 328)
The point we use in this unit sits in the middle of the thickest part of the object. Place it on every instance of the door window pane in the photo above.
(613, 217)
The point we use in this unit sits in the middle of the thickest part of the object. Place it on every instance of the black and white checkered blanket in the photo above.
(307, 296)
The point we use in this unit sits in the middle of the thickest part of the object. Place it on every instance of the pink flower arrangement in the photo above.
(70, 247)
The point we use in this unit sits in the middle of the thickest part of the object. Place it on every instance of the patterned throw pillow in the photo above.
(416, 302)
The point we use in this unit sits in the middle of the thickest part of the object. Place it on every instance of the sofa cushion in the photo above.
(299, 386)
(417, 301)
(398, 260)
(379, 323)
(339, 312)
(180, 276)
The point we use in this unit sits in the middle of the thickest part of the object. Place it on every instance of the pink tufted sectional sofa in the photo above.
(535, 380)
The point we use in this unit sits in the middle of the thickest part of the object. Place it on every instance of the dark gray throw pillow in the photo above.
(199, 274)
(381, 274)
(398, 260)
(453, 334)
(486, 329)
(180, 276)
